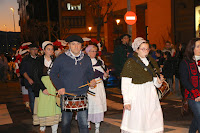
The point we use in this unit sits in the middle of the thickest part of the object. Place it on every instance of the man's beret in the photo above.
(33, 45)
(74, 38)
(122, 36)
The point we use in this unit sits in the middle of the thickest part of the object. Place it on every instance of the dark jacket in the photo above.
(160, 61)
(39, 71)
(168, 68)
(120, 56)
(177, 60)
(189, 76)
(27, 65)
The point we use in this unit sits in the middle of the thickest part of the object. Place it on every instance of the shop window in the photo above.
(74, 21)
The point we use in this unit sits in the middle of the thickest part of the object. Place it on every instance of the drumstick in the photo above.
(65, 93)
(53, 95)
(88, 84)
(69, 94)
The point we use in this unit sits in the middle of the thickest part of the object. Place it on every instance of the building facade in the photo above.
(66, 17)
(157, 21)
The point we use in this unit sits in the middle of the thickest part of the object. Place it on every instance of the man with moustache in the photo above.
(74, 69)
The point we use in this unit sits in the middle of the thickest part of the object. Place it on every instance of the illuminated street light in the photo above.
(117, 21)
(13, 17)
(90, 28)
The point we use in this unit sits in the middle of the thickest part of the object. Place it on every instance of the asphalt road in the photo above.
(15, 118)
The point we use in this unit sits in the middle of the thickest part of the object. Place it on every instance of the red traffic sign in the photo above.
(130, 18)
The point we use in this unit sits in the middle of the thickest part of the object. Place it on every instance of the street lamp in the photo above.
(6, 37)
(90, 28)
(13, 17)
(118, 21)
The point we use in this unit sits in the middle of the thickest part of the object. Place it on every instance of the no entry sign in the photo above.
(130, 18)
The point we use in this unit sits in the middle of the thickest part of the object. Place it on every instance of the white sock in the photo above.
(89, 124)
(54, 128)
(42, 128)
(97, 125)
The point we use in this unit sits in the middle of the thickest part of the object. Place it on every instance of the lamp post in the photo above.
(90, 28)
(13, 17)
(118, 21)
(6, 37)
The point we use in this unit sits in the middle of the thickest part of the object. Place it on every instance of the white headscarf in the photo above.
(137, 42)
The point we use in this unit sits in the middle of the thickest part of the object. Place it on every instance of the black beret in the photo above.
(122, 36)
(74, 38)
(33, 45)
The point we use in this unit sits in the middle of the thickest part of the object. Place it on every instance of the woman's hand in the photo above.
(197, 99)
(92, 83)
(161, 79)
(46, 92)
(106, 74)
(127, 106)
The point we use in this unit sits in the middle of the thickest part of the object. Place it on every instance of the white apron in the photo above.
(97, 104)
(145, 115)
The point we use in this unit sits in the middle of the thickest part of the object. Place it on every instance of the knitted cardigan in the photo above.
(134, 70)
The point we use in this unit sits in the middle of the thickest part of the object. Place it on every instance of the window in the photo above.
(74, 21)
(71, 7)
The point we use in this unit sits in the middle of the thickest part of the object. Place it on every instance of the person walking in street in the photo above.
(121, 53)
(168, 69)
(160, 59)
(142, 110)
(189, 75)
(97, 103)
(71, 70)
(46, 112)
(26, 69)
(169, 48)
(153, 51)
(180, 49)
(3, 67)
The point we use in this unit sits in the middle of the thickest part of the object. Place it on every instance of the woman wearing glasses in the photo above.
(142, 110)
(97, 102)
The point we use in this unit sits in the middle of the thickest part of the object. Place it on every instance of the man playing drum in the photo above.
(71, 70)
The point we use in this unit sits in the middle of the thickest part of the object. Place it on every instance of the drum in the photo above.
(77, 103)
(163, 90)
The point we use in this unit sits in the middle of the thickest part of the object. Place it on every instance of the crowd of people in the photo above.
(57, 85)
(53, 84)
(144, 70)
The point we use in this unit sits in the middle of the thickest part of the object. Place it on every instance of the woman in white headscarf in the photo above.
(46, 112)
(97, 102)
(142, 110)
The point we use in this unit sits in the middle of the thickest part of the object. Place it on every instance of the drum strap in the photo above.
(142, 64)
(156, 72)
